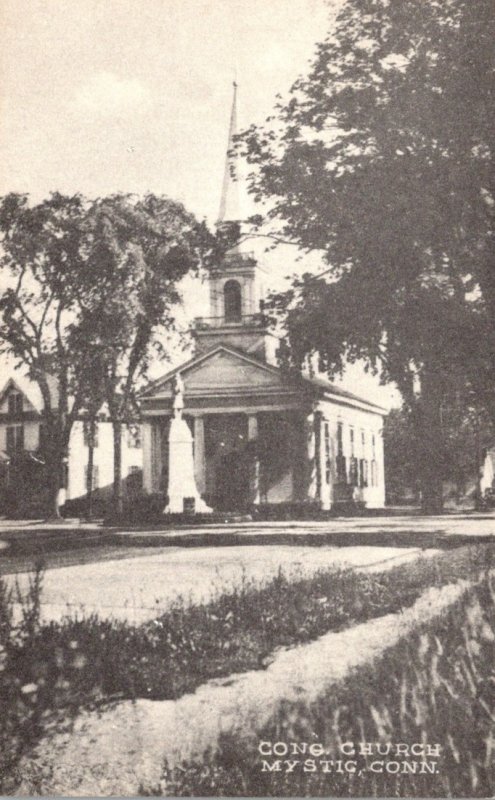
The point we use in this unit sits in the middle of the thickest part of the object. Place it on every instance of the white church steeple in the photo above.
(237, 285)
(230, 200)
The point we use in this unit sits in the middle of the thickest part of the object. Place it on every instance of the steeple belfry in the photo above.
(230, 210)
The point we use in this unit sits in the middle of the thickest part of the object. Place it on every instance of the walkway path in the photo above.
(121, 749)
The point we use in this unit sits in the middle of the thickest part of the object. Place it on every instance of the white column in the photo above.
(310, 482)
(326, 487)
(199, 454)
(255, 478)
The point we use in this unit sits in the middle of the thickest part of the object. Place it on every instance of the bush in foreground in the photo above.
(437, 688)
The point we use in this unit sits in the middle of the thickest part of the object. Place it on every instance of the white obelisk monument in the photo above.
(181, 481)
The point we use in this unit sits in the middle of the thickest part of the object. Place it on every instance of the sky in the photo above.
(134, 95)
(100, 96)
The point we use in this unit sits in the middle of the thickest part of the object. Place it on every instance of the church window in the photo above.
(363, 473)
(232, 301)
(328, 463)
(341, 461)
(354, 471)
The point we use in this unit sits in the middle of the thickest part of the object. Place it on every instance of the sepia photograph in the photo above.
(247, 398)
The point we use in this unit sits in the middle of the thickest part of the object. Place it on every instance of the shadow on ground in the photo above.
(41, 542)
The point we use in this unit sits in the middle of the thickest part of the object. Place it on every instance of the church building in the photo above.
(256, 435)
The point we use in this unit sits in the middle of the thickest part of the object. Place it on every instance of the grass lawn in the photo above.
(52, 670)
(432, 694)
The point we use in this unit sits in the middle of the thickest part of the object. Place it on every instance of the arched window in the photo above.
(232, 301)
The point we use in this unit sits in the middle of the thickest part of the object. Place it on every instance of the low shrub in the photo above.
(79, 506)
(16, 503)
(435, 688)
(141, 509)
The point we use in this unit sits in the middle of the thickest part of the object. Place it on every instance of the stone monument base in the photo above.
(183, 495)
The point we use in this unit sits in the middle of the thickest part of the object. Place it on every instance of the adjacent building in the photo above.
(22, 442)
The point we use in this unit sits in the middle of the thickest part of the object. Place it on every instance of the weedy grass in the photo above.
(436, 687)
(47, 672)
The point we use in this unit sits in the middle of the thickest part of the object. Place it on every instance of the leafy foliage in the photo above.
(138, 250)
(381, 160)
(42, 260)
(466, 432)
(89, 283)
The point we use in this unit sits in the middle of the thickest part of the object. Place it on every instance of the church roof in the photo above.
(337, 390)
(318, 385)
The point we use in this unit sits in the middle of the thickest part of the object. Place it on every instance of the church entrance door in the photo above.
(233, 482)
(227, 461)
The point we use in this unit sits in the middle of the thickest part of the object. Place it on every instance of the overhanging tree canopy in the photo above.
(381, 160)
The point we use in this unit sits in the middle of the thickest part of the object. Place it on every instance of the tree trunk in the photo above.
(432, 496)
(54, 466)
(89, 476)
(118, 503)
(427, 420)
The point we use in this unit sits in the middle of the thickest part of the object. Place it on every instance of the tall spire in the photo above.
(229, 201)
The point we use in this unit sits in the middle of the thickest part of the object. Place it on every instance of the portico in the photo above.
(237, 428)
(260, 437)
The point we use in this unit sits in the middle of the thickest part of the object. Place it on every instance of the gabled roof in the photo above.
(316, 385)
(29, 393)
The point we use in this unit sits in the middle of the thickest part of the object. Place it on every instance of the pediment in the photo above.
(222, 370)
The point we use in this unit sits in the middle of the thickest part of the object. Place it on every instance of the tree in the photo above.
(401, 457)
(89, 285)
(381, 161)
(138, 251)
(42, 265)
(467, 432)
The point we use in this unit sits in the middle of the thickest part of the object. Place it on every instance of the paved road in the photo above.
(137, 589)
(471, 523)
